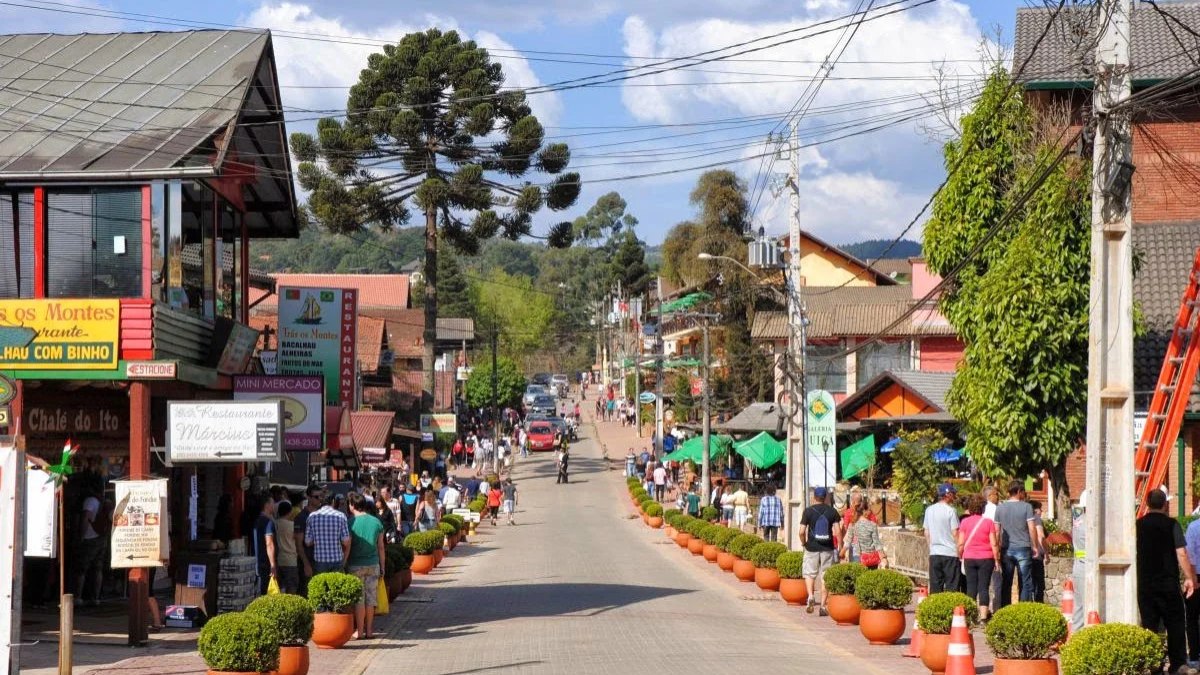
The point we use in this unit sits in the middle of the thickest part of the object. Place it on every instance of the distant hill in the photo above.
(872, 249)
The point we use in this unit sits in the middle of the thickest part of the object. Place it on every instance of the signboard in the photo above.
(1139, 426)
(822, 438)
(373, 455)
(5, 416)
(59, 334)
(316, 337)
(269, 358)
(151, 370)
(224, 431)
(647, 397)
(139, 529)
(10, 563)
(463, 373)
(41, 515)
(239, 347)
(8, 390)
(442, 423)
(303, 399)
(197, 576)
(76, 420)
(429, 454)
(697, 386)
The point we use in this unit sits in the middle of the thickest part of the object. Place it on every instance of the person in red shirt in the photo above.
(493, 501)
(856, 498)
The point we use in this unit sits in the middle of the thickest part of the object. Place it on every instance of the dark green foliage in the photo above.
(334, 591)
(765, 554)
(510, 383)
(871, 249)
(398, 558)
(840, 578)
(424, 543)
(883, 589)
(654, 510)
(709, 513)
(1026, 630)
(290, 616)
(447, 528)
(723, 536)
(790, 565)
(916, 476)
(1113, 648)
(742, 544)
(239, 642)
(937, 611)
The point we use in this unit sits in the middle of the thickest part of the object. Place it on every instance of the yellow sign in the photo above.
(59, 334)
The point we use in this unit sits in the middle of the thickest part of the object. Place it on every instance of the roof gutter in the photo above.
(60, 176)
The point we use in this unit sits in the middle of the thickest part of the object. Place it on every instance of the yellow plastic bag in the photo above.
(381, 598)
(273, 586)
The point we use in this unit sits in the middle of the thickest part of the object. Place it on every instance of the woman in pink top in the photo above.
(979, 549)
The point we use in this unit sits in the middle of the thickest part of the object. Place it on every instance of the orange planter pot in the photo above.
(293, 660)
(1025, 667)
(645, 518)
(710, 552)
(843, 609)
(696, 546)
(423, 563)
(881, 626)
(934, 650)
(682, 539)
(670, 532)
(405, 580)
(743, 570)
(655, 522)
(438, 556)
(331, 631)
(767, 579)
(793, 591)
(725, 560)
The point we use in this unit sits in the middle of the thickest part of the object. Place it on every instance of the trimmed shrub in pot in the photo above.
(697, 528)
(331, 595)
(291, 617)
(790, 566)
(882, 595)
(721, 541)
(238, 642)
(423, 545)
(1113, 648)
(743, 567)
(839, 582)
(763, 556)
(938, 611)
(710, 513)
(1022, 638)
(654, 513)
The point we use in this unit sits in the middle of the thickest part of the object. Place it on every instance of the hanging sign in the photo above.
(303, 398)
(440, 423)
(8, 390)
(647, 397)
(59, 334)
(224, 431)
(821, 412)
(139, 530)
(317, 337)
(41, 515)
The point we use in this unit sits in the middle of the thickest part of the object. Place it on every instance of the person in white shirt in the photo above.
(452, 499)
(660, 482)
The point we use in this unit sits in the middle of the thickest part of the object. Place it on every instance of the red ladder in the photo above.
(1171, 394)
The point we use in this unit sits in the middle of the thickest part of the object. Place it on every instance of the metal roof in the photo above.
(1066, 55)
(139, 106)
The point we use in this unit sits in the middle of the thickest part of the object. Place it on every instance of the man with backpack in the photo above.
(820, 527)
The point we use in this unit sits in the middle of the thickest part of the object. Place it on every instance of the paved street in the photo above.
(580, 587)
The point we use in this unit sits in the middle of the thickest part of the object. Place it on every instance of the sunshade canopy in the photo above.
(693, 449)
(762, 451)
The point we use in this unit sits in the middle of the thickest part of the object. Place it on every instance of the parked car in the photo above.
(544, 404)
(560, 384)
(532, 392)
(541, 378)
(531, 418)
(541, 436)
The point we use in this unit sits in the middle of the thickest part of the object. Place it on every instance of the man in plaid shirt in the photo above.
(770, 514)
(328, 532)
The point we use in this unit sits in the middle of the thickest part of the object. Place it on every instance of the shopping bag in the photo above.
(381, 597)
(273, 586)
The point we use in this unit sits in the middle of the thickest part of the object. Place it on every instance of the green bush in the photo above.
(937, 611)
(334, 592)
(742, 544)
(669, 513)
(710, 513)
(447, 529)
(654, 510)
(883, 589)
(423, 543)
(696, 527)
(839, 579)
(765, 554)
(724, 536)
(290, 616)
(1026, 630)
(437, 538)
(456, 520)
(1113, 648)
(790, 565)
(398, 558)
(681, 523)
(476, 505)
(239, 642)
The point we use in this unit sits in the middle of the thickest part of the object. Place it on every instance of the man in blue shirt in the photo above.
(1192, 545)
(264, 544)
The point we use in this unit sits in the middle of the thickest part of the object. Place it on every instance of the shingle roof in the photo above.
(853, 311)
(449, 329)
(146, 105)
(374, 290)
(1167, 251)
(754, 418)
(1065, 55)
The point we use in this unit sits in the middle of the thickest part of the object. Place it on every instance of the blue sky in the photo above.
(869, 185)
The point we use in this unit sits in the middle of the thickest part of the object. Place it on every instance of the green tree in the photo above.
(628, 265)
(1021, 307)
(429, 121)
(524, 316)
(682, 402)
(915, 473)
(510, 383)
(454, 290)
(604, 220)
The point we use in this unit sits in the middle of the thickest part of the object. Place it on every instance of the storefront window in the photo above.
(94, 243)
(228, 298)
(877, 357)
(197, 255)
(826, 368)
(158, 240)
(16, 244)
(176, 295)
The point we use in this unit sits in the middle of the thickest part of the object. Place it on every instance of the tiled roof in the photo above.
(409, 382)
(1167, 251)
(372, 429)
(852, 311)
(1065, 55)
(932, 387)
(449, 329)
(374, 290)
(405, 339)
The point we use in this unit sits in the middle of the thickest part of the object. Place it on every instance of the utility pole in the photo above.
(495, 404)
(659, 427)
(637, 370)
(1110, 566)
(796, 486)
(705, 473)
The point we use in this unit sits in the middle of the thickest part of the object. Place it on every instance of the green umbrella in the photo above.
(693, 448)
(762, 451)
(686, 302)
(858, 457)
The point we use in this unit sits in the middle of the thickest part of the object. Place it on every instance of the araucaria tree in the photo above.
(1021, 305)
(430, 124)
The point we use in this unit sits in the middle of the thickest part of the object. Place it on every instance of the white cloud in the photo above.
(19, 19)
(517, 73)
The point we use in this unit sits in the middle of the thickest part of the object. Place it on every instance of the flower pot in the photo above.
(743, 570)
(235, 672)
(843, 609)
(423, 563)
(452, 542)
(645, 518)
(293, 660)
(710, 552)
(725, 560)
(682, 539)
(670, 532)
(766, 578)
(438, 556)
(934, 649)
(1025, 667)
(331, 630)
(395, 586)
(405, 580)
(696, 546)
(793, 591)
(655, 522)
(881, 626)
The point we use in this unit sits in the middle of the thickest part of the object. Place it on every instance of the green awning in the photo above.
(762, 451)
(693, 449)
(858, 457)
(687, 302)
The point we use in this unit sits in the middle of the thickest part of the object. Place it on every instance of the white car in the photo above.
(531, 393)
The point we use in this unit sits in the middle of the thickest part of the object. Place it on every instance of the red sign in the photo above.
(347, 367)
(697, 386)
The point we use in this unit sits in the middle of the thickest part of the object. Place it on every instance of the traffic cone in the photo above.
(918, 635)
(1093, 618)
(1068, 603)
(959, 657)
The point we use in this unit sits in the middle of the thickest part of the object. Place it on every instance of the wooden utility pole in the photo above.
(1110, 586)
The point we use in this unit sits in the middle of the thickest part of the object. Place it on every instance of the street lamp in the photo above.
(735, 261)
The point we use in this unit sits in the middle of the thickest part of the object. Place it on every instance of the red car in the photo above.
(541, 436)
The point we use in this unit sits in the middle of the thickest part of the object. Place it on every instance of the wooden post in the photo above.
(139, 468)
